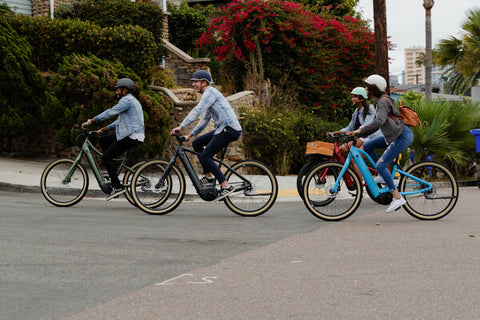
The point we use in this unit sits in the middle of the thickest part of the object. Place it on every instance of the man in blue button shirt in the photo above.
(213, 106)
(129, 130)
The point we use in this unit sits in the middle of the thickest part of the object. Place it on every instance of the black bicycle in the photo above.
(160, 184)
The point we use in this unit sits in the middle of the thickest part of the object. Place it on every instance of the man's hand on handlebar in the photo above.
(188, 136)
(176, 131)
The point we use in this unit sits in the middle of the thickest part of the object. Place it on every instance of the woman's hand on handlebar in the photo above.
(355, 133)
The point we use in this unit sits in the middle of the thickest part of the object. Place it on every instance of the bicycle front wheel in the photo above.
(434, 203)
(256, 188)
(303, 173)
(326, 204)
(63, 183)
(156, 196)
(127, 182)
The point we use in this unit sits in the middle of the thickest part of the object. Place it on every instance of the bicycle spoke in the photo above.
(255, 195)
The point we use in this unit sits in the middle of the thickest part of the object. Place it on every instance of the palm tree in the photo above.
(428, 4)
(381, 43)
(461, 57)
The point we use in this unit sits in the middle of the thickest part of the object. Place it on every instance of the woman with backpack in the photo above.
(396, 135)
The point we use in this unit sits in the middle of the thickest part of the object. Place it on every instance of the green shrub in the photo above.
(22, 89)
(84, 88)
(279, 137)
(113, 13)
(446, 132)
(186, 24)
(52, 40)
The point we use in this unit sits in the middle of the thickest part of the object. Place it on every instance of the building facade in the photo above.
(415, 74)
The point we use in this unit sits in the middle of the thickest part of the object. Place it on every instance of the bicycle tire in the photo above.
(320, 179)
(433, 204)
(61, 192)
(153, 200)
(256, 196)
(127, 182)
(302, 173)
(325, 205)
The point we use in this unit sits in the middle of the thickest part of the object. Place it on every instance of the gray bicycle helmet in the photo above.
(125, 83)
(201, 75)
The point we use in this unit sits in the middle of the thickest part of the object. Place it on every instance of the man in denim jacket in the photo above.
(129, 130)
(213, 106)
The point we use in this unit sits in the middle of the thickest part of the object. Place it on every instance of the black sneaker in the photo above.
(225, 192)
(207, 181)
(115, 193)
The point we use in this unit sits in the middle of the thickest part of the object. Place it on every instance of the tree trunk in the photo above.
(381, 41)
(428, 4)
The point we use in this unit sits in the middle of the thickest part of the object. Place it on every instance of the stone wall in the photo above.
(182, 65)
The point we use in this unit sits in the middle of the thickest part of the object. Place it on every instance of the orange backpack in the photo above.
(408, 115)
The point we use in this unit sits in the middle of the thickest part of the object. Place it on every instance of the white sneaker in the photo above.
(115, 193)
(225, 192)
(396, 204)
(379, 179)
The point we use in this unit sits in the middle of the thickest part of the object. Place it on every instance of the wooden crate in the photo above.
(320, 147)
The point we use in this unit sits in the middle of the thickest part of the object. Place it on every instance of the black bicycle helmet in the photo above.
(201, 75)
(125, 83)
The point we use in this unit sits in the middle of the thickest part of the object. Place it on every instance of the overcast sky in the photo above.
(406, 23)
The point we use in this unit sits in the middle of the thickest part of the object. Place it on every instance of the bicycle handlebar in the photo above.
(178, 136)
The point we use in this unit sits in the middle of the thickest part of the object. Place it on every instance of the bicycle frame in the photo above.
(357, 155)
(181, 153)
(86, 150)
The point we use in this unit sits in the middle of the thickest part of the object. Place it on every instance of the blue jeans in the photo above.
(392, 151)
(210, 144)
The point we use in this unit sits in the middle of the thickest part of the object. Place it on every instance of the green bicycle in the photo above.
(64, 182)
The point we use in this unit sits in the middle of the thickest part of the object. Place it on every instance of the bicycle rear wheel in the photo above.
(325, 204)
(154, 196)
(435, 203)
(257, 194)
(60, 189)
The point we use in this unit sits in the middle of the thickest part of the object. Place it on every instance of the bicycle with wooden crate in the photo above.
(320, 151)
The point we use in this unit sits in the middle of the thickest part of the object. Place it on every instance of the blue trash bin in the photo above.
(476, 134)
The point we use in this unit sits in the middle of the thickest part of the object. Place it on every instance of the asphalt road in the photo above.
(108, 260)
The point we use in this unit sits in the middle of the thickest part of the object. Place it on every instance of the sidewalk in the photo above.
(20, 175)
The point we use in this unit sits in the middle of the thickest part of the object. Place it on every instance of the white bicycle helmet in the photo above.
(377, 80)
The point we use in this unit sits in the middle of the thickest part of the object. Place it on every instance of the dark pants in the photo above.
(112, 149)
(210, 144)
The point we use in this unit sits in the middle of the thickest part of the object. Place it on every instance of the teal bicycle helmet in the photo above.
(360, 91)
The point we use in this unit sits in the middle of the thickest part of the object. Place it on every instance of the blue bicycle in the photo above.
(429, 187)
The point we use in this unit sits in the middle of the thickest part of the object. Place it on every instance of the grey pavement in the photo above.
(370, 266)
